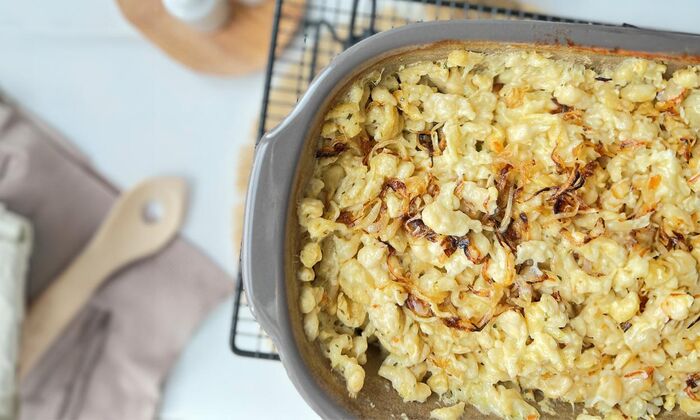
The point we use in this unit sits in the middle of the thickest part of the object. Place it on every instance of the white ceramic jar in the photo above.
(203, 15)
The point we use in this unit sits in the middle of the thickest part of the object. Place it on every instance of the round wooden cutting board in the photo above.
(238, 48)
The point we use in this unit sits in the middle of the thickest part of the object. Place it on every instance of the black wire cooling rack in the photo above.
(326, 28)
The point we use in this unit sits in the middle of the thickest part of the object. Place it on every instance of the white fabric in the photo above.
(79, 65)
(15, 247)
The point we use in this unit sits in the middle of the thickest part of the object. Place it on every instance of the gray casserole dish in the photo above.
(285, 156)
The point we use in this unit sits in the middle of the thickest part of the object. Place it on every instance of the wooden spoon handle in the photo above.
(57, 306)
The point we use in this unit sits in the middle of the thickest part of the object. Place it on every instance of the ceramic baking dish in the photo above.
(284, 158)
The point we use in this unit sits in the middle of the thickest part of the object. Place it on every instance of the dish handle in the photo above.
(263, 249)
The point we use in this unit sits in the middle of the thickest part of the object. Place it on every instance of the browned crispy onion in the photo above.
(503, 180)
(559, 107)
(585, 264)
(632, 143)
(346, 217)
(425, 139)
(416, 228)
(692, 324)
(670, 101)
(349, 219)
(508, 211)
(397, 186)
(418, 306)
(433, 188)
(449, 245)
(566, 203)
(558, 162)
(394, 267)
(690, 393)
(331, 150)
(515, 232)
(504, 202)
(498, 307)
(671, 241)
(575, 181)
(472, 252)
(461, 324)
(686, 148)
(692, 380)
(365, 144)
(574, 116)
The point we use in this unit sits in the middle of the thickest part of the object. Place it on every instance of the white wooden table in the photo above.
(135, 113)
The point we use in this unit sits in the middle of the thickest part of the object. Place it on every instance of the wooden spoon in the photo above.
(141, 222)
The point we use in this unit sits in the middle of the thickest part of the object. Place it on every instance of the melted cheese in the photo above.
(508, 223)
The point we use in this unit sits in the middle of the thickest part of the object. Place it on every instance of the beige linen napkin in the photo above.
(114, 357)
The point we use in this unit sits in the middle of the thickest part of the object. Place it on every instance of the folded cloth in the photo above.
(113, 358)
(15, 247)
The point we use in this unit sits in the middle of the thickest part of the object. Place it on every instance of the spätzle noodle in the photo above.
(511, 229)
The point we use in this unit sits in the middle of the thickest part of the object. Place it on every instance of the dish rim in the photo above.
(276, 168)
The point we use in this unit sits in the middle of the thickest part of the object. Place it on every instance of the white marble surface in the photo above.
(135, 113)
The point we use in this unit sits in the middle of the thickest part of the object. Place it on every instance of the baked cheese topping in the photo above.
(511, 229)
